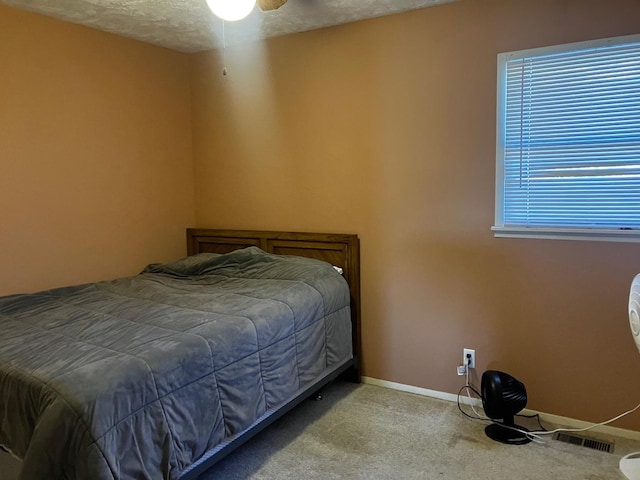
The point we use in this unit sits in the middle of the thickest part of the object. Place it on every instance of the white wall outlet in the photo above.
(465, 360)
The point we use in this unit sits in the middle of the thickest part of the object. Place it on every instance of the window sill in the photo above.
(557, 233)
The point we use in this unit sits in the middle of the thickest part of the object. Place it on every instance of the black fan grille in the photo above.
(513, 391)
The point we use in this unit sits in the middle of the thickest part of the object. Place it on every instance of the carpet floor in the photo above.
(369, 432)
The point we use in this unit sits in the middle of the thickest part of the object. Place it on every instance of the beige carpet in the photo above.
(368, 432)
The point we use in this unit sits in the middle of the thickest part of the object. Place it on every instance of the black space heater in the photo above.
(502, 398)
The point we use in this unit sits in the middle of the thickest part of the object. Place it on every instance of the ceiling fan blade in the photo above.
(271, 4)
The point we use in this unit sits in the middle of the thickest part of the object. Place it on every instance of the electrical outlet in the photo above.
(468, 351)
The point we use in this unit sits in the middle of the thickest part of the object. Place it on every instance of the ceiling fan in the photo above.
(232, 10)
(266, 5)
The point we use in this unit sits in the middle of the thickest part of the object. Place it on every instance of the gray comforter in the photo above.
(138, 377)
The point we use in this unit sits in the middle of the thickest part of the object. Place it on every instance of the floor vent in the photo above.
(584, 442)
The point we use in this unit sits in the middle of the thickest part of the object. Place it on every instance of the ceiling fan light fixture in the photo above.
(231, 10)
(267, 5)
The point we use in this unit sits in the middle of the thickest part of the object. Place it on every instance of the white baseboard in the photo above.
(547, 417)
(450, 397)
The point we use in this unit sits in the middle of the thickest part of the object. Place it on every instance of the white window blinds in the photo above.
(569, 137)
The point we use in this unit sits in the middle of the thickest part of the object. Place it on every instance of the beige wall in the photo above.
(386, 128)
(96, 176)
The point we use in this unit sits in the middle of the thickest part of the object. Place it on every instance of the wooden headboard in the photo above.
(342, 250)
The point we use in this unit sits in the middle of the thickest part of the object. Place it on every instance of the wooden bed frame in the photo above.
(342, 250)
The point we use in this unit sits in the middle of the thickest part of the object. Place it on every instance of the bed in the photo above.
(162, 374)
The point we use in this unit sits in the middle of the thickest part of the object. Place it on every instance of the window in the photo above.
(568, 141)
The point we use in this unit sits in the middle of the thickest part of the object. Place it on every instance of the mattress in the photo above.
(139, 377)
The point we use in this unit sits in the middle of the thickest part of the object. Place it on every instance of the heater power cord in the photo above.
(469, 387)
(535, 435)
(549, 432)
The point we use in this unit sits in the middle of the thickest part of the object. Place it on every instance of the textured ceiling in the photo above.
(189, 26)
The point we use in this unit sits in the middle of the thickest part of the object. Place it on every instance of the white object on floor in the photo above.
(630, 466)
